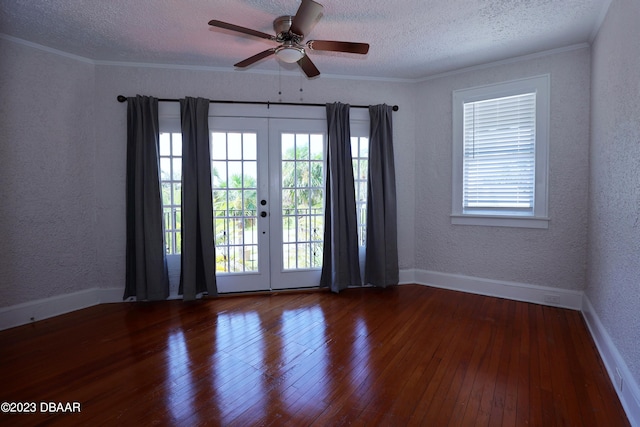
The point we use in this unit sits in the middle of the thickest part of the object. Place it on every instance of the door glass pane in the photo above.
(302, 192)
(249, 147)
(171, 187)
(302, 146)
(234, 181)
(218, 145)
(302, 174)
(360, 156)
(287, 142)
(234, 146)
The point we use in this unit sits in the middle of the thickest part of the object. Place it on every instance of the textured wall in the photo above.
(175, 83)
(614, 225)
(46, 170)
(554, 257)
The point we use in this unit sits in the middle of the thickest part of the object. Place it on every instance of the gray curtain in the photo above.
(381, 254)
(146, 262)
(340, 267)
(197, 272)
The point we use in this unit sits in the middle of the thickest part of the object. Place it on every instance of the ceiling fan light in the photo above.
(289, 54)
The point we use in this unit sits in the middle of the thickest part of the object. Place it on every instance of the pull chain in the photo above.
(279, 82)
(300, 87)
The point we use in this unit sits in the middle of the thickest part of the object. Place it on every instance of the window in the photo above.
(234, 171)
(302, 168)
(171, 182)
(500, 146)
(360, 158)
(234, 166)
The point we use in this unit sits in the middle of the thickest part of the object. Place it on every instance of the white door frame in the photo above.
(272, 276)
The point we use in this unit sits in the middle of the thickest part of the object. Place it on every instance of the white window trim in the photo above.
(540, 85)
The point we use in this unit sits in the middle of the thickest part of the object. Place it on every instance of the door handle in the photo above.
(263, 214)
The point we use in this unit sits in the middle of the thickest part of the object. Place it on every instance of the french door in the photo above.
(268, 197)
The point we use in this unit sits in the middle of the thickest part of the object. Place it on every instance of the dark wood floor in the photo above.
(407, 355)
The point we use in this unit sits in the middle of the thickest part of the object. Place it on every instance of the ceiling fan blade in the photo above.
(308, 67)
(232, 27)
(306, 17)
(255, 58)
(334, 46)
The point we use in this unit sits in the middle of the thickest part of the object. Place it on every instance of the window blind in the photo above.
(499, 154)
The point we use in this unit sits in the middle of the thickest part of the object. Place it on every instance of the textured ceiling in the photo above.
(410, 39)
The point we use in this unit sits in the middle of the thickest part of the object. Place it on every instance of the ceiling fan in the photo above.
(290, 33)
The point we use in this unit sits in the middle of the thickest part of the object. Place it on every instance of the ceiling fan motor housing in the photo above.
(281, 26)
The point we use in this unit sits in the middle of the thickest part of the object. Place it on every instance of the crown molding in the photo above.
(512, 60)
(47, 49)
(294, 73)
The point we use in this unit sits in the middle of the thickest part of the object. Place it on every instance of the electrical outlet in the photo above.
(618, 379)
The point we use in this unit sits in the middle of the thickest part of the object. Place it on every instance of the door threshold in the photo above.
(272, 292)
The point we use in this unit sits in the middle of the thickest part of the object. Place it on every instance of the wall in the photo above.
(235, 85)
(62, 170)
(554, 257)
(46, 170)
(613, 286)
(96, 189)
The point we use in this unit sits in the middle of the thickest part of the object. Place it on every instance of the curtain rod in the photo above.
(122, 98)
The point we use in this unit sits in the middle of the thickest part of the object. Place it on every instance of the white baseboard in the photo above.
(407, 277)
(629, 395)
(617, 369)
(109, 295)
(496, 288)
(32, 311)
(28, 312)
